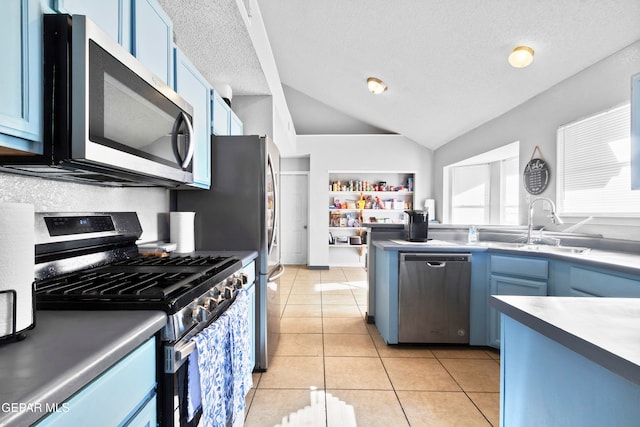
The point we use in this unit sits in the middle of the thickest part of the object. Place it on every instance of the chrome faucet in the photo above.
(554, 216)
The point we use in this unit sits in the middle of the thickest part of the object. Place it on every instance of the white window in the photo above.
(594, 166)
(510, 191)
(484, 189)
(470, 194)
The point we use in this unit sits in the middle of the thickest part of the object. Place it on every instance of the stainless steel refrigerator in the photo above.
(241, 212)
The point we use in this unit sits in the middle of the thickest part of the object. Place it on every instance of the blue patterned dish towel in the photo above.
(223, 366)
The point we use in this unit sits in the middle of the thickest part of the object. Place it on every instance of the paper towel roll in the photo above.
(17, 266)
(181, 230)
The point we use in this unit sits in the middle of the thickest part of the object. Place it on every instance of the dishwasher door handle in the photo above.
(436, 264)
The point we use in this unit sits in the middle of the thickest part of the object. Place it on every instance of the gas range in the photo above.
(90, 261)
(190, 289)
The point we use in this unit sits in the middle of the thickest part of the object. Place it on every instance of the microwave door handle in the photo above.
(190, 141)
(182, 117)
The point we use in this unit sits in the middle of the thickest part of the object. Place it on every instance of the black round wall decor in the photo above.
(536, 176)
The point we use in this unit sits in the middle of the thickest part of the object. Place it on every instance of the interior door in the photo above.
(294, 189)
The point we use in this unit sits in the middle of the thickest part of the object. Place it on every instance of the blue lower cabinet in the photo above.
(593, 282)
(503, 285)
(252, 322)
(124, 393)
(544, 383)
(147, 416)
(514, 275)
(250, 271)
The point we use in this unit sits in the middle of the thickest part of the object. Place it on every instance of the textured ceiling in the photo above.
(445, 62)
(214, 37)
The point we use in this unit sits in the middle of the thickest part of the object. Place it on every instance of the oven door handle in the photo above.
(184, 351)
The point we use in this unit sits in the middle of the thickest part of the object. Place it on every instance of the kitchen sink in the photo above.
(578, 250)
(575, 250)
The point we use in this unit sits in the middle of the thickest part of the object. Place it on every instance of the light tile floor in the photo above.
(326, 343)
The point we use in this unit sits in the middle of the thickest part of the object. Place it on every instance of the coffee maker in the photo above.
(416, 225)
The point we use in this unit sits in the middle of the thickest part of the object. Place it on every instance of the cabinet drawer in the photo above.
(534, 268)
(586, 282)
(114, 396)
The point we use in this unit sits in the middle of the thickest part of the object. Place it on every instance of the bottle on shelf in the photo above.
(473, 234)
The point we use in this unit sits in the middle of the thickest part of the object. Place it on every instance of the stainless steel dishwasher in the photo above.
(433, 298)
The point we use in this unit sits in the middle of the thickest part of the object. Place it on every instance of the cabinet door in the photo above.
(115, 396)
(153, 38)
(193, 87)
(113, 16)
(503, 285)
(21, 76)
(236, 127)
(221, 115)
(148, 415)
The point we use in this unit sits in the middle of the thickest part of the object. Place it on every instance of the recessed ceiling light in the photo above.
(521, 57)
(376, 86)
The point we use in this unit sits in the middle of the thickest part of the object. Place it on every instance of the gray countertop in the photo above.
(66, 351)
(245, 256)
(604, 330)
(619, 261)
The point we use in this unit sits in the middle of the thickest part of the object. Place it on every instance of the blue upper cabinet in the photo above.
(236, 127)
(21, 77)
(221, 115)
(193, 87)
(113, 16)
(153, 38)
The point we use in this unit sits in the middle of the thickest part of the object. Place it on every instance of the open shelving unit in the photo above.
(357, 198)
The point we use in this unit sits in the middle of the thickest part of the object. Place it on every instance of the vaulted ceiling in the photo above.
(445, 62)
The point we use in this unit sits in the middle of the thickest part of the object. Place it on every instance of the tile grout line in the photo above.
(393, 387)
(462, 388)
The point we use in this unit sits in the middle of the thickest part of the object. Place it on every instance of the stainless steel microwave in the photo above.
(108, 119)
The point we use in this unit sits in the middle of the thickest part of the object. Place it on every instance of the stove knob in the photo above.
(199, 314)
(215, 292)
(237, 283)
(213, 303)
(227, 293)
(244, 278)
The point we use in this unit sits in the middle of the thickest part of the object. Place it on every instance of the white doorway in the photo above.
(294, 202)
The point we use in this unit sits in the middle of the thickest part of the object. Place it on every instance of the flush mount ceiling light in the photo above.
(376, 86)
(521, 57)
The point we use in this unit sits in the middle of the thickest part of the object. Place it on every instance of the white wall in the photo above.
(535, 122)
(151, 204)
(357, 153)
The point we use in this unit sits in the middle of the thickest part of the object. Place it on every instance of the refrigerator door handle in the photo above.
(275, 205)
(279, 272)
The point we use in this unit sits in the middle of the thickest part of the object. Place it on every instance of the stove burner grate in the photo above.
(136, 279)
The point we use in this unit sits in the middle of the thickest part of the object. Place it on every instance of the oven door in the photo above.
(175, 384)
(124, 116)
